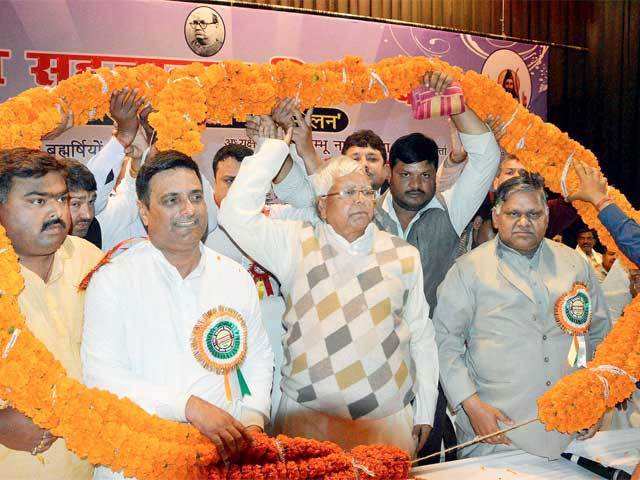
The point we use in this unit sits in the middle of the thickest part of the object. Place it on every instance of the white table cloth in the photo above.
(616, 448)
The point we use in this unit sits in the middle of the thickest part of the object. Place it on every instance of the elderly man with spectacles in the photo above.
(357, 323)
(204, 33)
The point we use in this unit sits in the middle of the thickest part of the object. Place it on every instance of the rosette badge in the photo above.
(573, 310)
(573, 314)
(219, 343)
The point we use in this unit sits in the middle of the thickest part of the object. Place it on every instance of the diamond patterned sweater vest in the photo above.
(346, 344)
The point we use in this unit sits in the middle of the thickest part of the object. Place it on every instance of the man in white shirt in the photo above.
(357, 323)
(165, 316)
(586, 241)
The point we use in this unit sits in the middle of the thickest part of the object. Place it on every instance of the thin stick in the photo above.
(476, 440)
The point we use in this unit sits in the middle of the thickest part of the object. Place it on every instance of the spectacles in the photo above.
(352, 193)
(195, 24)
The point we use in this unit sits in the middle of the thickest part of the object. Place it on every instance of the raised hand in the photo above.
(144, 122)
(252, 127)
(484, 419)
(593, 186)
(269, 129)
(123, 108)
(66, 122)
(228, 434)
(283, 112)
(437, 81)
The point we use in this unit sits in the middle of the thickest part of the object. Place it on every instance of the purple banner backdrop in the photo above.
(44, 41)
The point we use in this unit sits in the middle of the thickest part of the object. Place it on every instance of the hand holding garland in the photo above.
(287, 114)
(593, 186)
(18, 432)
(228, 434)
(66, 122)
(466, 122)
(123, 108)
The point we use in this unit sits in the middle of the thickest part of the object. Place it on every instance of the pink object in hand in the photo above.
(425, 103)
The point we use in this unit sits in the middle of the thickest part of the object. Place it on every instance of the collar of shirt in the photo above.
(64, 253)
(516, 258)
(171, 271)
(387, 206)
(360, 246)
(593, 257)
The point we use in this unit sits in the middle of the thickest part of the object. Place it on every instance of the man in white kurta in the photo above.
(359, 346)
(143, 309)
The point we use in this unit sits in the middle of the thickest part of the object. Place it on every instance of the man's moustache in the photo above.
(52, 222)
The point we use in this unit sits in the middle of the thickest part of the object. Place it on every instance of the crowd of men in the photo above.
(384, 298)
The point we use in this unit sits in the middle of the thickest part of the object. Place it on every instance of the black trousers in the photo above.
(442, 431)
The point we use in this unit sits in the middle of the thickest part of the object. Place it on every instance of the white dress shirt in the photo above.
(275, 244)
(139, 317)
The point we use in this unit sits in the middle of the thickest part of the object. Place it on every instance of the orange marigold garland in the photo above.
(185, 99)
(578, 400)
(191, 95)
(301, 458)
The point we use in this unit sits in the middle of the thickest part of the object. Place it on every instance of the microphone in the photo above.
(597, 468)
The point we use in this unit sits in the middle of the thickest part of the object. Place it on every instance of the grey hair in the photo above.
(335, 168)
(524, 182)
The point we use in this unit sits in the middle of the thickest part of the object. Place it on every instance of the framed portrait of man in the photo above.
(204, 31)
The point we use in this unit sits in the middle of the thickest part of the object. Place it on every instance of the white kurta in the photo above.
(139, 316)
(276, 245)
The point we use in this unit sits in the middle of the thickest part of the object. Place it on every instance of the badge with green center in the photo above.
(573, 314)
(219, 343)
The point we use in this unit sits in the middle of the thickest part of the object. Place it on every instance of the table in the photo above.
(616, 448)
